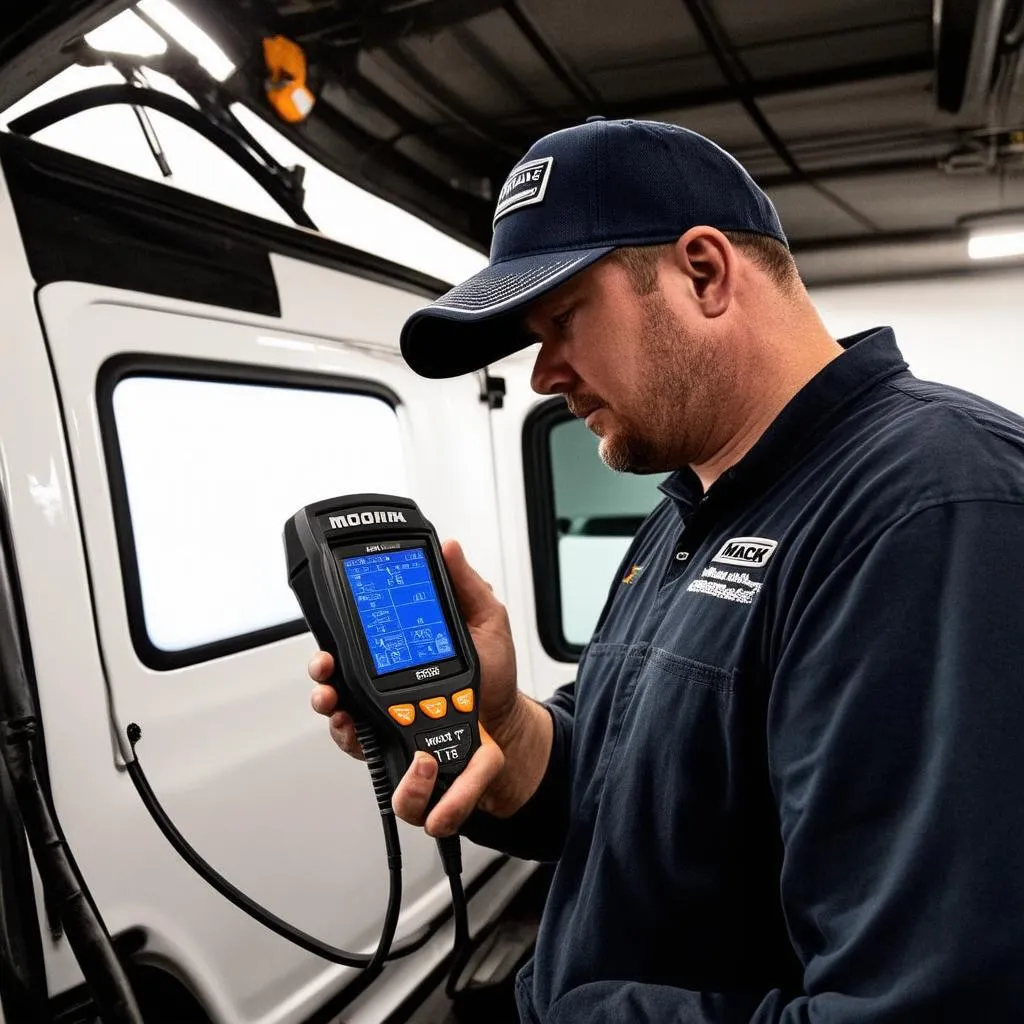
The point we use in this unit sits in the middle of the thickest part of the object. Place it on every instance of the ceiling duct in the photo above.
(969, 43)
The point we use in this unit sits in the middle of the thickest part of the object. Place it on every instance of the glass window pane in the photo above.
(597, 513)
(213, 470)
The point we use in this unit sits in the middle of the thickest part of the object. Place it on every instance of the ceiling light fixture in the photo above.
(994, 235)
(987, 245)
(190, 36)
(127, 33)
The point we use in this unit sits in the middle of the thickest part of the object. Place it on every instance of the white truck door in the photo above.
(215, 373)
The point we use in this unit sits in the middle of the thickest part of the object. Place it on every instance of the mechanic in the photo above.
(788, 782)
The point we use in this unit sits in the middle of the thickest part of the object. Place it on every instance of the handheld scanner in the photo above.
(371, 581)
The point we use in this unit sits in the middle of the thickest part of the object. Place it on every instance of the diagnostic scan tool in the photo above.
(371, 581)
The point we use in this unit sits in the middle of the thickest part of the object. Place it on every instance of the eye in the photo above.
(562, 320)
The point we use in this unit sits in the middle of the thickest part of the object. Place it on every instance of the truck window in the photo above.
(204, 473)
(582, 518)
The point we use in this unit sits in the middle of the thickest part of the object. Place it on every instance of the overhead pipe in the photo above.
(968, 38)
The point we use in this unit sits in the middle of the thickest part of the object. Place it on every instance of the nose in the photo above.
(552, 374)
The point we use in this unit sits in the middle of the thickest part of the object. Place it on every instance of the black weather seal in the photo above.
(542, 527)
(107, 95)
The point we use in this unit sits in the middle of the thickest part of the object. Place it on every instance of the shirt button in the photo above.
(682, 556)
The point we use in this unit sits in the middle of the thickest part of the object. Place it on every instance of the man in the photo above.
(787, 782)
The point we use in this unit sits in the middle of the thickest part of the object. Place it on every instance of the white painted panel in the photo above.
(964, 331)
(230, 745)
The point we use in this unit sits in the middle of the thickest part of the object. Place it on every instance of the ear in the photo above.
(707, 259)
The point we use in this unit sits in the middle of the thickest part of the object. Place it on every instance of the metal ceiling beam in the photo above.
(694, 99)
(472, 158)
(852, 172)
(798, 81)
(829, 244)
(582, 91)
(736, 73)
(492, 65)
(436, 94)
(382, 27)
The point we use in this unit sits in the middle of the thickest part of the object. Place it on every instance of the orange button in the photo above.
(434, 707)
(403, 714)
(463, 700)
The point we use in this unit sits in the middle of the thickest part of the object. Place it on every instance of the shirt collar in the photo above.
(869, 357)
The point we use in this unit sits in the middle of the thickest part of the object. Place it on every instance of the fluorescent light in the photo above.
(126, 33)
(987, 245)
(190, 35)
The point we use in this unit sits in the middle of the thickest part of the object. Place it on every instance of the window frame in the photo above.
(542, 527)
(126, 365)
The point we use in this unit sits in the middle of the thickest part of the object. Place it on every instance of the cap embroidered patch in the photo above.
(524, 186)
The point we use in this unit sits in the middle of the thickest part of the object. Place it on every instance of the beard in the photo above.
(662, 423)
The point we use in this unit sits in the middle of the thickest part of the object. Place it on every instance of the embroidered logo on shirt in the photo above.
(749, 551)
(737, 587)
(731, 584)
(634, 574)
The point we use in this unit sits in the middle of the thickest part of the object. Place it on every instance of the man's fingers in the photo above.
(324, 699)
(465, 792)
(410, 797)
(321, 665)
(475, 595)
(343, 732)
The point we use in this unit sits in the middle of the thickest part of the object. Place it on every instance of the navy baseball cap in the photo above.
(575, 196)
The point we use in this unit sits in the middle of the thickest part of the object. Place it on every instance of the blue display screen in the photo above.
(399, 609)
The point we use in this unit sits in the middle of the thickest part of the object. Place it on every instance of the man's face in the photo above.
(644, 379)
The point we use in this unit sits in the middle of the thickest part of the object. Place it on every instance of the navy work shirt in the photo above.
(788, 782)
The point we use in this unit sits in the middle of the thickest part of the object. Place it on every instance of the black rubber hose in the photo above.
(20, 748)
(104, 975)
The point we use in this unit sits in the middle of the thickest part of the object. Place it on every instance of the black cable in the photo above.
(261, 914)
(450, 848)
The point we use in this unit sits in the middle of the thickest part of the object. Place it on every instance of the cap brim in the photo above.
(477, 322)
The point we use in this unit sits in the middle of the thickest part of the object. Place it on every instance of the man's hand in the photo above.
(519, 726)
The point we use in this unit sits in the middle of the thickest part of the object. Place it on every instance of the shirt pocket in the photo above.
(642, 709)
(681, 733)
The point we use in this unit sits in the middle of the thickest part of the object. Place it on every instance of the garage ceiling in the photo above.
(876, 126)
